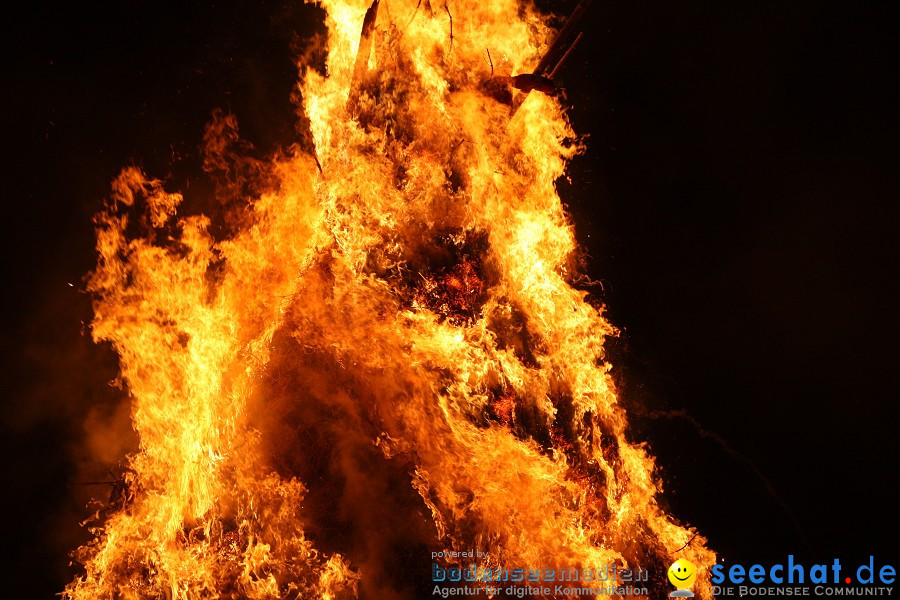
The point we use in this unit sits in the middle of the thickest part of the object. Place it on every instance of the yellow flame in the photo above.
(413, 282)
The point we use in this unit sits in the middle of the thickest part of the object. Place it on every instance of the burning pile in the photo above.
(385, 355)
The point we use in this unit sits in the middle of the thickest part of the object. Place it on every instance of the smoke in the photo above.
(318, 424)
(66, 429)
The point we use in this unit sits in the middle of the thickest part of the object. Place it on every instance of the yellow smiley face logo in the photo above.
(682, 573)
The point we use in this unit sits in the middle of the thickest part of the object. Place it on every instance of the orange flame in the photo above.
(403, 298)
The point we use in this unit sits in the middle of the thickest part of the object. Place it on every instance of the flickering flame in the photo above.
(399, 303)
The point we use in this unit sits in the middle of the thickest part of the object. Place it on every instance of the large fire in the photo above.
(384, 353)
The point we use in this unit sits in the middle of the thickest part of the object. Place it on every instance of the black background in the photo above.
(737, 202)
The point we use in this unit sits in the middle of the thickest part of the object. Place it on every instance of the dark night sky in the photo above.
(737, 202)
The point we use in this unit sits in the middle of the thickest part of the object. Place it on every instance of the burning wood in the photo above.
(362, 54)
(556, 54)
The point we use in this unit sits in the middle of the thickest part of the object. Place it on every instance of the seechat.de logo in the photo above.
(682, 574)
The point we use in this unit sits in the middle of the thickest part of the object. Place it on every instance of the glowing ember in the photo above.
(386, 348)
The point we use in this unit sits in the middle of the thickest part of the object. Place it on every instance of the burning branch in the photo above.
(565, 56)
(561, 47)
(360, 67)
(447, 8)
(686, 544)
